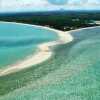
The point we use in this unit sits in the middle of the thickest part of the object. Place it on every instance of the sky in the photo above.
(47, 5)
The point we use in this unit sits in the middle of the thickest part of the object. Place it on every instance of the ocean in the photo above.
(19, 41)
(72, 73)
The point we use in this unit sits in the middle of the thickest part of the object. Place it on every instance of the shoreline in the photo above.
(42, 55)
(80, 29)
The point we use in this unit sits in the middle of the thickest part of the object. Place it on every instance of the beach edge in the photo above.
(42, 55)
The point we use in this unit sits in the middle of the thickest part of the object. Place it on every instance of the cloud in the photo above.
(17, 5)
(46, 5)
(83, 4)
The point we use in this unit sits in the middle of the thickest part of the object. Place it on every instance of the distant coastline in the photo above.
(61, 20)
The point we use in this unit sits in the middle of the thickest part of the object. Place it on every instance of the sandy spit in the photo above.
(44, 52)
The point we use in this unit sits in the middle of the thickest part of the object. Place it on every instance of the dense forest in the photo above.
(63, 20)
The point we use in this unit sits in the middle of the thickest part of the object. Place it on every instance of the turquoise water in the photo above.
(72, 73)
(18, 41)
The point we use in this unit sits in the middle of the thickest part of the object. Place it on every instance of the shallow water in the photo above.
(72, 73)
(18, 41)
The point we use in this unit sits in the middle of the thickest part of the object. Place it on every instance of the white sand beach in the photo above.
(43, 54)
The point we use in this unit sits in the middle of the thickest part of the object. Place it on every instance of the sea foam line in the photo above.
(44, 51)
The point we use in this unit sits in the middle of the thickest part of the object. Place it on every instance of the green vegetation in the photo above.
(59, 20)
